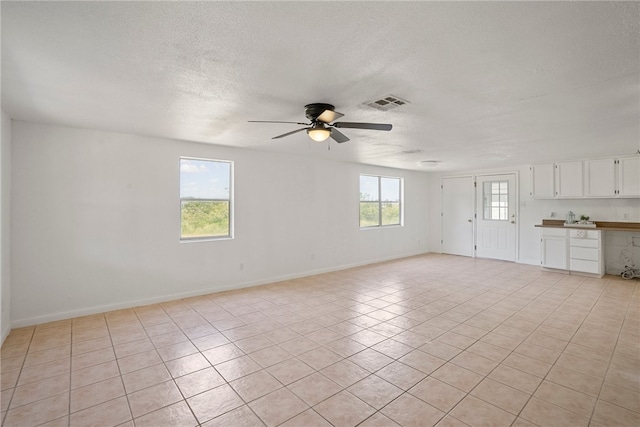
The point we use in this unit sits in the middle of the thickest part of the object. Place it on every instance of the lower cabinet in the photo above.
(575, 250)
(554, 248)
(586, 251)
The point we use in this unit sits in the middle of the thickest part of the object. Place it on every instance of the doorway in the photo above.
(479, 216)
(496, 217)
(457, 215)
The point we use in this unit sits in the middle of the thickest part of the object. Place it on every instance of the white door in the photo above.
(496, 217)
(457, 215)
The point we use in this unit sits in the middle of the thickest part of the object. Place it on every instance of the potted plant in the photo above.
(584, 219)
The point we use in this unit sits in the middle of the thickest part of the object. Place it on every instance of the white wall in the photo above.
(5, 223)
(532, 211)
(95, 221)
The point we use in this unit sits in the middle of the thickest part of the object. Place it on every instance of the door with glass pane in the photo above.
(496, 217)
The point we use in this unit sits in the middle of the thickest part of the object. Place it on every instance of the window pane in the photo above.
(204, 179)
(495, 198)
(390, 189)
(369, 214)
(368, 188)
(390, 213)
(204, 219)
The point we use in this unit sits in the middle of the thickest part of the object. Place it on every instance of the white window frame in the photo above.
(229, 236)
(380, 202)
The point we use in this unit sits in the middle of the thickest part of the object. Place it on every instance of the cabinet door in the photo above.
(629, 176)
(554, 252)
(542, 186)
(569, 179)
(600, 178)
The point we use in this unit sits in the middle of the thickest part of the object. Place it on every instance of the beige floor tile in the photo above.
(242, 416)
(134, 347)
(146, 377)
(94, 374)
(609, 415)
(139, 361)
(308, 418)
(344, 409)
(375, 391)
(422, 361)
(457, 376)
(186, 365)
(490, 351)
(177, 414)
(237, 368)
(627, 398)
(440, 350)
(379, 420)
(401, 375)
(314, 388)
(213, 403)
(476, 412)
(345, 347)
(210, 341)
(48, 355)
(222, 353)
(175, 351)
(437, 393)
(299, 345)
(543, 413)
(199, 381)
(409, 411)
(152, 398)
(501, 395)
(571, 400)
(278, 407)
(345, 373)
(473, 362)
(255, 385)
(39, 390)
(319, 358)
(94, 394)
(270, 356)
(527, 364)
(43, 371)
(38, 412)
(393, 348)
(575, 380)
(371, 360)
(449, 421)
(290, 370)
(543, 354)
(112, 413)
(515, 378)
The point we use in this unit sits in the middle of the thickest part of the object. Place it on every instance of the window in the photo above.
(380, 201)
(495, 198)
(205, 199)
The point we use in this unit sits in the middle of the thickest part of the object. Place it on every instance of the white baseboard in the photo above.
(36, 320)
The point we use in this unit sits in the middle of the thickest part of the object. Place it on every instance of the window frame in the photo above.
(230, 234)
(381, 202)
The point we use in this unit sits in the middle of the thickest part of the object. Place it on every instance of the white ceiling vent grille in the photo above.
(387, 103)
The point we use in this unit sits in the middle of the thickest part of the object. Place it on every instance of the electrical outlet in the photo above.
(625, 215)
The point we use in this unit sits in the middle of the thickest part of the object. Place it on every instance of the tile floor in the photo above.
(429, 340)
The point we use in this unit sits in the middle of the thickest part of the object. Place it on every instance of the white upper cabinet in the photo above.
(600, 178)
(629, 176)
(542, 181)
(615, 177)
(569, 179)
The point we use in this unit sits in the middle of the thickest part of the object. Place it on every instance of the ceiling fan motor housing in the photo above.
(312, 111)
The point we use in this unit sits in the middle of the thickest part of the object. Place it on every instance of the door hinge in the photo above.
(475, 215)
(441, 214)
(475, 247)
(441, 187)
(441, 241)
(475, 184)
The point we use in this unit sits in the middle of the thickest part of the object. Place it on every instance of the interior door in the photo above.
(496, 216)
(457, 215)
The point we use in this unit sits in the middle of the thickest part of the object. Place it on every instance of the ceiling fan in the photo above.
(321, 126)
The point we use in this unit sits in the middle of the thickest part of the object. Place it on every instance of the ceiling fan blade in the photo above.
(271, 121)
(328, 116)
(372, 126)
(338, 136)
(289, 133)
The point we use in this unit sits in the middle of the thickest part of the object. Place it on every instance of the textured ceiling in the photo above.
(490, 84)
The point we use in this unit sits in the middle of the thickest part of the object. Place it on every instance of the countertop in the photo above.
(600, 225)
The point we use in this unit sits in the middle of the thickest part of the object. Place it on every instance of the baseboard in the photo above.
(36, 320)
(5, 333)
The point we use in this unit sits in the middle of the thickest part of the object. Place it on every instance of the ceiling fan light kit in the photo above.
(321, 128)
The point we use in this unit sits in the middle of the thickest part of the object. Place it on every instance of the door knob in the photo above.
(513, 222)
(469, 220)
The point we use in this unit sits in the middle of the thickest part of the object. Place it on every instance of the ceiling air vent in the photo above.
(387, 103)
